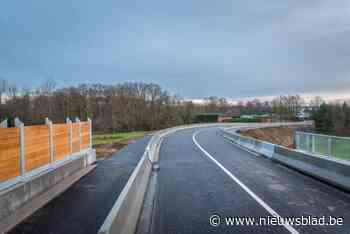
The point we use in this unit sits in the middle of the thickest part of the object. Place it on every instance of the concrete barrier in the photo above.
(124, 215)
(327, 169)
(33, 191)
(263, 148)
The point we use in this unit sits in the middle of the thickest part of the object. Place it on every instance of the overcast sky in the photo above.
(194, 48)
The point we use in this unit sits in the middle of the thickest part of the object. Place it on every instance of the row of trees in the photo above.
(123, 107)
(286, 107)
(283, 107)
(146, 106)
(333, 119)
(221, 105)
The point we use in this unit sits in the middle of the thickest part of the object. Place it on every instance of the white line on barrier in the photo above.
(243, 186)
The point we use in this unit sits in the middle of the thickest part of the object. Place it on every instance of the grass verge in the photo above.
(109, 144)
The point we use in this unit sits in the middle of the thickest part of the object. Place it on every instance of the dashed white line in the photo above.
(243, 186)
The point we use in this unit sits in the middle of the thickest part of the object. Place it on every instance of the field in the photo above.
(101, 139)
(110, 144)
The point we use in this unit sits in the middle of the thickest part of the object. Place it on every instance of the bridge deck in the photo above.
(84, 206)
(192, 187)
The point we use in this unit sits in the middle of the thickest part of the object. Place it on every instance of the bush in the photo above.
(246, 120)
(206, 118)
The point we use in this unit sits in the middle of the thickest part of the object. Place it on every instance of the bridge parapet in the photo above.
(40, 160)
(328, 169)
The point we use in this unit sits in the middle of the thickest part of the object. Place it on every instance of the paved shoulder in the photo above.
(85, 205)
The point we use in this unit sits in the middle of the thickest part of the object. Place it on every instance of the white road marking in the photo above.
(243, 186)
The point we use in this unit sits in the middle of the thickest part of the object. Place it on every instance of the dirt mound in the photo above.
(277, 135)
(106, 150)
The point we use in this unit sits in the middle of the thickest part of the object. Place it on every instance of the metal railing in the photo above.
(324, 145)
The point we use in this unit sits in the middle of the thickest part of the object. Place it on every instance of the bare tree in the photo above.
(3, 89)
(316, 102)
(48, 86)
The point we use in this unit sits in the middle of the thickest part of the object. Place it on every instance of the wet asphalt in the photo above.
(83, 207)
(192, 188)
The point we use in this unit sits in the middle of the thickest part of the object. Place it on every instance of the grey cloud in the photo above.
(193, 48)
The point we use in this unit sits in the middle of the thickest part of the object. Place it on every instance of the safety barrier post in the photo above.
(20, 125)
(69, 122)
(77, 120)
(90, 133)
(48, 122)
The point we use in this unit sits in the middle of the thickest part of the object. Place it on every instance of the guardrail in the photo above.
(28, 150)
(327, 169)
(264, 148)
(325, 145)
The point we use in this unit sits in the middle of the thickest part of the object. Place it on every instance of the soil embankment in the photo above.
(277, 135)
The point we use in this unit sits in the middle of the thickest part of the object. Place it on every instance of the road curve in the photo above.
(203, 175)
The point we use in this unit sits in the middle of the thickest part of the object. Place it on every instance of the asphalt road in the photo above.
(202, 175)
(84, 206)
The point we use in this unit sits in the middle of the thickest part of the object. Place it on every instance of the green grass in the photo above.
(321, 145)
(340, 147)
(100, 139)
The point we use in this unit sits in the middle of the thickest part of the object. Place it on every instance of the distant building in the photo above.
(265, 118)
(306, 112)
(229, 116)
(303, 114)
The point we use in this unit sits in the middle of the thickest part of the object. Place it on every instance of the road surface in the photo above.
(203, 175)
(84, 206)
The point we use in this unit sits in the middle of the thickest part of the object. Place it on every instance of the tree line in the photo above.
(133, 106)
(122, 107)
(333, 119)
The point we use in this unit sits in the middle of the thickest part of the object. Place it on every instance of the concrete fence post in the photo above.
(70, 138)
(48, 122)
(313, 143)
(77, 120)
(4, 124)
(90, 133)
(20, 125)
